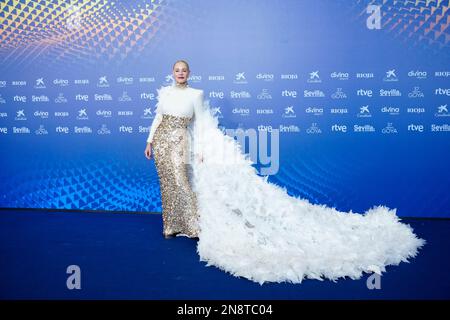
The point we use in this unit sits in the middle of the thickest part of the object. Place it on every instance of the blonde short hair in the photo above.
(183, 61)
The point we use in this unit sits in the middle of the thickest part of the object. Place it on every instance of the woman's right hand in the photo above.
(148, 151)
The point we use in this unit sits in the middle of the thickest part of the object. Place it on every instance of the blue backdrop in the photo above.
(358, 90)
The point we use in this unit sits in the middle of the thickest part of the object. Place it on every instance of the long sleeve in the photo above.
(156, 121)
(158, 113)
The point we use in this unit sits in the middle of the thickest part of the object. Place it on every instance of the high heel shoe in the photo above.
(168, 235)
(190, 236)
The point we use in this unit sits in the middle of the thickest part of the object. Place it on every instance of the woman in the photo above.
(248, 226)
(168, 138)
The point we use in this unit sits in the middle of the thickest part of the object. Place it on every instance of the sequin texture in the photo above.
(179, 202)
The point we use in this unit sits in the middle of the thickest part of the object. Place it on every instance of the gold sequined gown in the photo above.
(179, 203)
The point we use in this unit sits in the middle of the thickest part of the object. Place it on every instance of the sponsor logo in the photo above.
(148, 114)
(82, 97)
(442, 111)
(416, 127)
(241, 111)
(125, 129)
(82, 114)
(389, 129)
(293, 76)
(364, 112)
(339, 94)
(61, 129)
(289, 93)
(61, 113)
(317, 111)
(102, 97)
(363, 128)
(365, 75)
(216, 112)
(442, 92)
(20, 115)
(125, 97)
(82, 130)
(415, 110)
(41, 130)
(41, 98)
(264, 95)
(442, 74)
(289, 128)
(217, 94)
(125, 80)
(416, 93)
(390, 76)
(240, 95)
(289, 112)
(340, 75)
(125, 113)
(41, 114)
(390, 93)
(265, 76)
(61, 82)
(314, 77)
(60, 98)
(103, 130)
(390, 110)
(417, 74)
(146, 79)
(19, 83)
(39, 84)
(81, 81)
(21, 130)
(339, 110)
(239, 78)
(313, 93)
(143, 96)
(440, 127)
(102, 82)
(104, 113)
(313, 129)
(265, 111)
(216, 78)
(364, 93)
(339, 128)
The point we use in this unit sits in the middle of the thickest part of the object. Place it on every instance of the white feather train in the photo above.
(252, 228)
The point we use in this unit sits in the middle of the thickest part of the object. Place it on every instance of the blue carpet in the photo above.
(124, 256)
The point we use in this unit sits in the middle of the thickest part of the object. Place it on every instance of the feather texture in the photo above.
(252, 228)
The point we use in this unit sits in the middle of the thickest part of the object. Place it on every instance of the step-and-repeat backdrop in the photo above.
(353, 96)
